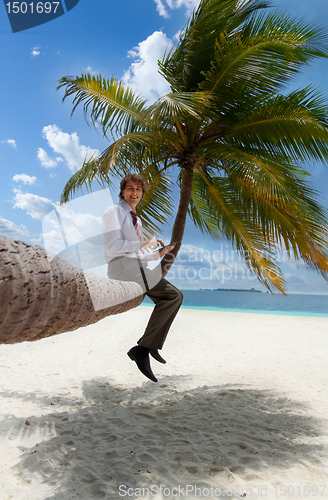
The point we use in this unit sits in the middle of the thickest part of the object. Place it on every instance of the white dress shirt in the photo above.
(120, 236)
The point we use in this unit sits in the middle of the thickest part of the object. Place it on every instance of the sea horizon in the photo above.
(247, 301)
(250, 290)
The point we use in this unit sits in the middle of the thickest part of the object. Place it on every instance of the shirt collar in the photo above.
(126, 206)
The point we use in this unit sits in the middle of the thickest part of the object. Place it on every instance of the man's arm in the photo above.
(115, 240)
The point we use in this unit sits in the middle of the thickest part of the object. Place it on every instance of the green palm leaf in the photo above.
(294, 125)
(157, 200)
(256, 252)
(106, 102)
(183, 66)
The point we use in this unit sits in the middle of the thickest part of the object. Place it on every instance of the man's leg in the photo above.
(167, 299)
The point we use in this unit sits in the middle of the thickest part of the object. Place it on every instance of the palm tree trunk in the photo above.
(180, 219)
(41, 297)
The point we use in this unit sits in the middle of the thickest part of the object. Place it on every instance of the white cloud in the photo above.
(68, 146)
(11, 142)
(78, 222)
(26, 179)
(89, 69)
(176, 37)
(35, 51)
(11, 230)
(161, 9)
(143, 74)
(163, 6)
(36, 206)
(45, 159)
(76, 227)
(77, 237)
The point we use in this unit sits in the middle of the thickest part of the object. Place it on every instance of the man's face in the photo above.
(132, 193)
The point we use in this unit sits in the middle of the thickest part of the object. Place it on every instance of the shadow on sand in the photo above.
(158, 435)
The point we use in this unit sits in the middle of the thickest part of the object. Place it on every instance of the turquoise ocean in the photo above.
(254, 302)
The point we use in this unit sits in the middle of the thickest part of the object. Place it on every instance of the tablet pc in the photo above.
(165, 247)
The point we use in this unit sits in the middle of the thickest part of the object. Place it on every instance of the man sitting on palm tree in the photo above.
(127, 261)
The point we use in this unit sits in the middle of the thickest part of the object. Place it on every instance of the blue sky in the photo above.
(41, 146)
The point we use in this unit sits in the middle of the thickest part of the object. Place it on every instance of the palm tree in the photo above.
(237, 145)
(42, 296)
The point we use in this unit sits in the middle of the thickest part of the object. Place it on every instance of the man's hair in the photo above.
(139, 179)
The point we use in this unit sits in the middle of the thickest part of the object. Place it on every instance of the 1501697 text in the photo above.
(32, 7)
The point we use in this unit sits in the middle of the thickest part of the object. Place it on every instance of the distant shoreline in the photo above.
(252, 290)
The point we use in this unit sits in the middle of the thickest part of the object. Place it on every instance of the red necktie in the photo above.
(135, 224)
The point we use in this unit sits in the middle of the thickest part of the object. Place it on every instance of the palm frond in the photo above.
(106, 102)
(132, 152)
(200, 213)
(257, 252)
(294, 125)
(183, 65)
(83, 178)
(157, 205)
(268, 52)
(271, 173)
(184, 106)
(134, 147)
(276, 201)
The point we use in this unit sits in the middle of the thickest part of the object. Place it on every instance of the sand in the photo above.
(240, 410)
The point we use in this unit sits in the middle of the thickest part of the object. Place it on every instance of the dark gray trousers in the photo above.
(166, 297)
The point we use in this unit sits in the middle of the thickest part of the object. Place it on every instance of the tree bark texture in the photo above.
(40, 297)
(180, 219)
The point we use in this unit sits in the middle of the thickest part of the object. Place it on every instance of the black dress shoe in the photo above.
(155, 354)
(140, 355)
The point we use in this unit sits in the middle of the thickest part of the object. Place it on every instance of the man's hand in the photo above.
(152, 243)
(167, 250)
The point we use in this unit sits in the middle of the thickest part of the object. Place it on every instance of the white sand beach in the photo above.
(239, 410)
